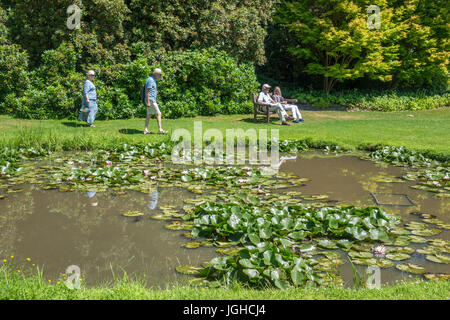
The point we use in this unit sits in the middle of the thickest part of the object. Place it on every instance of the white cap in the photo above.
(91, 73)
(157, 71)
(266, 86)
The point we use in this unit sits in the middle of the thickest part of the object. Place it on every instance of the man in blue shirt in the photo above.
(89, 99)
(151, 91)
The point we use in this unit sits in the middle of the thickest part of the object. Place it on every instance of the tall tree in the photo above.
(236, 26)
(335, 39)
(424, 45)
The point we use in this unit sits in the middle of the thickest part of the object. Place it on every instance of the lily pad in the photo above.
(327, 244)
(385, 263)
(133, 214)
(187, 269)
(437, 276)
(411, 268)
(438, 258)
(191, 245)
(398, 256)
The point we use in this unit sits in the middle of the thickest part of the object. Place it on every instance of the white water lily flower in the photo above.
(380, 250)
(70, 163)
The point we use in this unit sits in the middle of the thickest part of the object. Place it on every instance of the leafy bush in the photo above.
(13, 69)
(389, 100)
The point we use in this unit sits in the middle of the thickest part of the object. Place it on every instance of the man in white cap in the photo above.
(151, 91)
(89, 102)
(265, 99)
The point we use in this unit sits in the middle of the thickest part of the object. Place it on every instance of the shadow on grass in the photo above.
(75, 124)
(131, 131)
(262, 120)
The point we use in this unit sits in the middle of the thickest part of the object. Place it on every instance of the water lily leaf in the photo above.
(438, 258)
(133, 214)
(191, 245)
(327, 244)
(426, 232)
(385, 263)
(297, 235)
(398, 256)
(187, 269)
(345, 243)
(437, 276)
(251, 273)
(220, 244)
(161, 217)
(282, 284)
(365, 262)
(417, 239)
(360, 255)
(411, 268)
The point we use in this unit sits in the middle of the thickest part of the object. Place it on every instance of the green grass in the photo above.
(427, 131)
(17, 286)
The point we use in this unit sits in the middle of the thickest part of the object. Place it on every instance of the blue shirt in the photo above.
(151, 84)
(89, 89)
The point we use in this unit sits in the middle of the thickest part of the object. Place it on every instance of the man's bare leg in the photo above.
(147, 119)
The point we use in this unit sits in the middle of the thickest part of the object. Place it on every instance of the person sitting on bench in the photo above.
(265, 99)
(277, 97)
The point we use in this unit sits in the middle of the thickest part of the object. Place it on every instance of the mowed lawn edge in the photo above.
(425, 131)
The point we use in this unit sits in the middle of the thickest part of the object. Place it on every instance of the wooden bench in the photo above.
(262, 108)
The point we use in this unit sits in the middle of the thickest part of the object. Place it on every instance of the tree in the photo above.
(333, 37)
(424, 46)
(236, 26)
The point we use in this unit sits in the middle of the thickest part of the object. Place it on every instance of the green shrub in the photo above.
(389, 100)
(13, 70)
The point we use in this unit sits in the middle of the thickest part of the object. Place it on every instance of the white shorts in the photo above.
(153, 109)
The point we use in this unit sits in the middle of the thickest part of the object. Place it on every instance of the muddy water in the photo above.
(57, 229)
(350, 180)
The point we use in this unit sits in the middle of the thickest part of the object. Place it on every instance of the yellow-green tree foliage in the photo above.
(338, 40)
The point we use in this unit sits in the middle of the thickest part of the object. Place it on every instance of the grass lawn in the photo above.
(426, 131)
(419, 130)
(16, 286)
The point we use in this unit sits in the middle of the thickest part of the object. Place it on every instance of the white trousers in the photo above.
(294, 109)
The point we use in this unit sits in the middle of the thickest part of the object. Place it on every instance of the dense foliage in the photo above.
(208, 51)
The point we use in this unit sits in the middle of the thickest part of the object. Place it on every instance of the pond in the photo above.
(85, 228)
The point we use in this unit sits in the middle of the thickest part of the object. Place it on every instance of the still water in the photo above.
(58, 229)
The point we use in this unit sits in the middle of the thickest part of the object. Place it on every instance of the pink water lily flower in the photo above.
(109, 163)
(446, 177)
(70, 163)
(70, 179)
(435, 183)
(380, 250)
(242, 181)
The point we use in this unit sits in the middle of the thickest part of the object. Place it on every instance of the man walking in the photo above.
(89, 102)
(151, 91)
(265, 99)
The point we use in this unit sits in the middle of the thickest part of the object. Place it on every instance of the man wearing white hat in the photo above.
(265, 99)
(151, 92)
(89, 102)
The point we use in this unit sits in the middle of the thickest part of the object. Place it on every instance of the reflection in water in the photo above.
(59, 229)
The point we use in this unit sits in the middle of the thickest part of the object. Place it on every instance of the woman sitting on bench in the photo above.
(278, 98)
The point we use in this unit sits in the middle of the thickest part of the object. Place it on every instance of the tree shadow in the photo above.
(131, 131)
